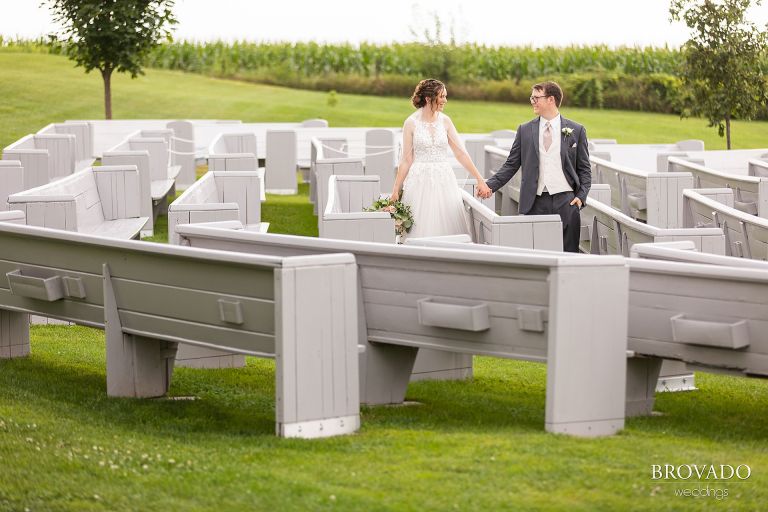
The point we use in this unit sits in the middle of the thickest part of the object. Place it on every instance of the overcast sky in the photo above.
(492, 22)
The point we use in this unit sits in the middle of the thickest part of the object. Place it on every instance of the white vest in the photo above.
(551, 172)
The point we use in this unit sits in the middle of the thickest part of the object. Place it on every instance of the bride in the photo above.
(424, 174)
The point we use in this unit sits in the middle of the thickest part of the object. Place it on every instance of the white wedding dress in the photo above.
(430, 188)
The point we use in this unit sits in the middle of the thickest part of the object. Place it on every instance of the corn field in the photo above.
(465, 63)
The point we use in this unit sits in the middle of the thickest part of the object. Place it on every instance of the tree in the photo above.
(721, 61)
(112, 35)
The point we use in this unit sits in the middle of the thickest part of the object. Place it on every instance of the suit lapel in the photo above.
(564, 141)
(535, 135)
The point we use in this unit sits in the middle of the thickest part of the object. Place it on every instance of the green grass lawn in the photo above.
(473, 445)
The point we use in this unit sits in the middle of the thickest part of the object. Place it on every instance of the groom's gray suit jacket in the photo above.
(525, 155)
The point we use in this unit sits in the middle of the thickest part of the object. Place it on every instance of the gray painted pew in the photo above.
(531, 231)
(646, 157)
(11, 180)
(344, 217)
(530, 307)
(44, 157)
(218, 196)
(653, 197)
(103, 201)
(757, 167)
(712, 313)
(750, 192)
(83, 143)
(746, 236)
(150, 297)
(605, 230)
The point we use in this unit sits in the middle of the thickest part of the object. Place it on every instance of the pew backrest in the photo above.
(218, 196)
(750, 192)
(102, 200)
(83, 147)
(605, 230)
(381, 156)
(11, 180)
(45, 157)
(529, 231)
(344, 216)
(653, 197)
(746, 236)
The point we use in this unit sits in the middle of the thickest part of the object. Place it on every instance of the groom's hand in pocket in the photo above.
(577, 202)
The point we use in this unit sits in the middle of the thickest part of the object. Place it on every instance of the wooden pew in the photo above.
(83, 144)
(605, 230)
(652, 197)
(531, 307)
(151, 297)
(750, 192)
(344, 217)
(44, 157)
(532, 231)
(219, 196)
(746, 236)
(11, 180)
(102, 201)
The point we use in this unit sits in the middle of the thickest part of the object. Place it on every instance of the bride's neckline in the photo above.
(420, 118)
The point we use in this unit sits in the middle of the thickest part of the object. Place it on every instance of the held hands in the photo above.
(577, 202)
(483, 191)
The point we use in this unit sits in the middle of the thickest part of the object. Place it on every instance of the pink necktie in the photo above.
(547, 136)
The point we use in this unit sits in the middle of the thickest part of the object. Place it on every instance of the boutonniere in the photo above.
(567, 131)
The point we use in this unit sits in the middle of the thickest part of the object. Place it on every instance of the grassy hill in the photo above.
(474, 445)
(38, 89)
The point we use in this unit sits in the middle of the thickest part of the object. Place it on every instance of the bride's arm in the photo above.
(406, 159)
(460, 152)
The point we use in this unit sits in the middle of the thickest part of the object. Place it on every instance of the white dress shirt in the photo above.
(551, 174)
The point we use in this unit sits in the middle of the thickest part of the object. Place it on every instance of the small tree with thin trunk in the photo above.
(112, 35)
(721, 61)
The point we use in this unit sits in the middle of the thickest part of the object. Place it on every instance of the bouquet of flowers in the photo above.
(397, 210)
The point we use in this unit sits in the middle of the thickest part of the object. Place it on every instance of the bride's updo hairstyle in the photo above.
(428, 88)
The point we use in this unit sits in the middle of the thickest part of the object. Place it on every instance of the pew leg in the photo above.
(441, 365)
(386, 370)
(139, 367)
(14, 334)
(191, 356)
(586, 352)
(642, 376)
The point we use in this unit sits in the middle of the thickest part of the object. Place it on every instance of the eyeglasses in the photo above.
(534, 99)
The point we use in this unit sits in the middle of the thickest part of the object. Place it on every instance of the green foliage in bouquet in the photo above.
(398, 210)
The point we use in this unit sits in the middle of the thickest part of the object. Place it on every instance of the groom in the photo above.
(552, 153)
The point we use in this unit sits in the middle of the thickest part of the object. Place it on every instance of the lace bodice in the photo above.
(430, 141)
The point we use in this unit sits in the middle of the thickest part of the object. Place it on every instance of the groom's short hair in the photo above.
(551, 89)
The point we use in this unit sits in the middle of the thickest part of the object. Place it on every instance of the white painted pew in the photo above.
(323, 149)
(13, 216)
(750, 192)
(151, 156)
(219, 196)
(151, 297)
(83, 141)
(344, 217)
(653, 197)
(645, 157)
(757, 167)
(531, 231)
(746, 236)
(531, 307)
(11, 180)
(44, 157)
(605, 230)
(236, 152)
(709, 311)
(103, 201)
